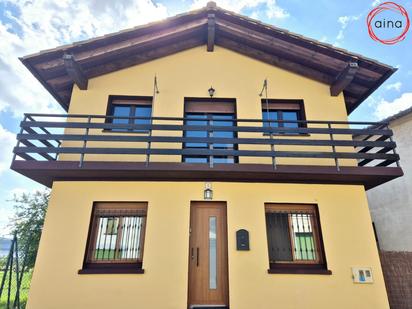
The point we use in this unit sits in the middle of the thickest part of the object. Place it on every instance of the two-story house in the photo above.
(206, 161)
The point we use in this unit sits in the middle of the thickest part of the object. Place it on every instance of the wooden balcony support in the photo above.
(344, 79)
(75, 72)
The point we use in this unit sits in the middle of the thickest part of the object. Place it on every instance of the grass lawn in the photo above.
(24, 290)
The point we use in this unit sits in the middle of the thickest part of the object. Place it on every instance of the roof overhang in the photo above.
(354, 75)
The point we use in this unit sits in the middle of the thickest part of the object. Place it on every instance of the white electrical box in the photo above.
(362, 275)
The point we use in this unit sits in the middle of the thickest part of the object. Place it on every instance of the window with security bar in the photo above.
(294, 238)
(116, 237)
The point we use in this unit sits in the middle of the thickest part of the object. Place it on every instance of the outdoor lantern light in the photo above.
(211, 91)
(208, 193)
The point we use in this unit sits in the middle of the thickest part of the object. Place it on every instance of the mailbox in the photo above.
(242, 240)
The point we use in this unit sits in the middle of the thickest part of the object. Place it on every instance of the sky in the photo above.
(28, 26)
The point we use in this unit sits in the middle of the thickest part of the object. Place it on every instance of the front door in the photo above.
(208, 277)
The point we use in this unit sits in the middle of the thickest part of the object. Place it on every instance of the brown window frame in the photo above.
(282, 105)
(117, 210)
(132, 102)
(298, 266)
(216, 106)
(210, 105)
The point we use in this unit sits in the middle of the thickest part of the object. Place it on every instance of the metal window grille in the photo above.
(293, 236)
(117, 236)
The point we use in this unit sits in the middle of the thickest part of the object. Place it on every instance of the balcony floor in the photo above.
(45, 172)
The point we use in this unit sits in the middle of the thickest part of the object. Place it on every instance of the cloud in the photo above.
(272, 9)
(5, 215)
(340, 35)
(275, 11)
(344, 21)
(29, 26)
(255, 15)
(18, 191)
(376, 2)
(324, 39)
(7, 142)
(385, 108)
(395, 86)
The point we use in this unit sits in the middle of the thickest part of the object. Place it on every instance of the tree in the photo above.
(27, 222)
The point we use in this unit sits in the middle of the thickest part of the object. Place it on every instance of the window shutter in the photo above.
(278, 237)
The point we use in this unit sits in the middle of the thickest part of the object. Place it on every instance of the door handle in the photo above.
(192, 256)
(197, 256)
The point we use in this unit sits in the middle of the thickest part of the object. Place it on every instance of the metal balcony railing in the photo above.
(46, 137)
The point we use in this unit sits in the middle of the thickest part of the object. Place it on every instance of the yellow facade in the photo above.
(346, 228)
(190, 74)
(346, 225)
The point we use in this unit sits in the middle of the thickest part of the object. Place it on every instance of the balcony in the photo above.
(96, 148)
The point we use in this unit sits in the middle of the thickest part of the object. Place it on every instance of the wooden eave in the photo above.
(208, 26)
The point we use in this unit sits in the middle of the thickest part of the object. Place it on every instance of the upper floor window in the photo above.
(129, 110)
(203, 112)
(283, 110)
(294, 238)
(116, 238)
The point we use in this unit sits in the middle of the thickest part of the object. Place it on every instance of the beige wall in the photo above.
(190, 74)
(391, 203)
(344, 217)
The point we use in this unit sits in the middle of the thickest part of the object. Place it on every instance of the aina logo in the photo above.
(388, 23)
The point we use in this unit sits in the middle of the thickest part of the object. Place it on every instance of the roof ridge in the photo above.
(211, 6)
(303, 37)
(113, 34)
(398, 115)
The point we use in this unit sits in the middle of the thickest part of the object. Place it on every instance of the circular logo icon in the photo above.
(386, 17)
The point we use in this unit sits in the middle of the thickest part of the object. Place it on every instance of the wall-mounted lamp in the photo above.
(208, 193)
(211, 91)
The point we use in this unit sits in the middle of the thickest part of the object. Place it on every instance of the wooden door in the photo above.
(208, 277)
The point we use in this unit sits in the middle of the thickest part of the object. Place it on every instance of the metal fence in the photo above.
(15, 277)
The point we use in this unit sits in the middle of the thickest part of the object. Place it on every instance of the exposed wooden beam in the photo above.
(211, 29)
(344, 78)
(273, 59)
(62, 83)
(131, 45)
(276, 46)
(75, 71)
(296, 53)
(63, 103)
(211, 25)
